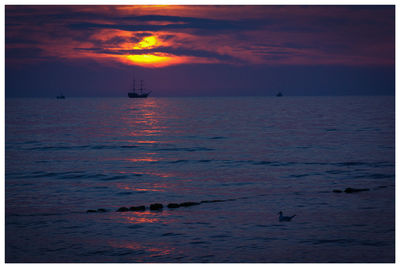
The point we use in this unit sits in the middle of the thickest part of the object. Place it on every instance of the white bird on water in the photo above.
(285, 218)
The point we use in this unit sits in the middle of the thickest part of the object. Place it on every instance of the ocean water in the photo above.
(257, 156)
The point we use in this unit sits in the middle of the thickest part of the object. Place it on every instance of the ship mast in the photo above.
(141, 86)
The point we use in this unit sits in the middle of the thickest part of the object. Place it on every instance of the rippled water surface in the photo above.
(258, 156)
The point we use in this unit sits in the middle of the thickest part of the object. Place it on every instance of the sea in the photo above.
(240, 160)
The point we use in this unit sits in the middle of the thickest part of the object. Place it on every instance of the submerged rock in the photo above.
(91, 210)
(188, 204)
(355, 190)
(138, 208)
(156, 206)
(337, 191)
(98, 210)
(159, 207)
(212, 201)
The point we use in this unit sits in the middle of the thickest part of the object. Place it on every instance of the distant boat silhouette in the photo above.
(61, 96)
(139, 94)
(279, 94)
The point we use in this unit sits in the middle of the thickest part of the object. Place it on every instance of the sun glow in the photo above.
(153, 60)
(147, 43)
(147, 58)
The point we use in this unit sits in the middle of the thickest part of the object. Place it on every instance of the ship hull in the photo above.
(135, 95)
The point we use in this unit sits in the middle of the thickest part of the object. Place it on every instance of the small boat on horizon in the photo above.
(279, 94)
(61, 96)
(139, 92)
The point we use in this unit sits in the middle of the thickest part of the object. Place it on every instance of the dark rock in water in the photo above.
(188, 204)
(91, 211)
(138, 208)
(101, 210)
(337, 191)
(156, 206)
(122, 209)
(355, 190)
(173, 205)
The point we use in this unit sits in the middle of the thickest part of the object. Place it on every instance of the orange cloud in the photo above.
(142, 58)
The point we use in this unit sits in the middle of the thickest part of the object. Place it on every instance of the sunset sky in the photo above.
(199, 50)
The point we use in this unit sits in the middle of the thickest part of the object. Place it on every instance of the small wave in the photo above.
(178, 161)
(199, 242)
(219, 236)
(41, 214)
(207, 256)
(264, 163)
(341, 241)
(171, 234)
(367, 208)
(81, 147)
(335, 171)
(97, 175)
(369, 164)
(128, 146)
(351, 164)
(303, 147)
(204, 161)
(42, 174)
(381, 176)
(236, 184)
(316, 163)
(57, 148)
(30, 142)
(112, 178)
(41, 161)
(299, 175)
(102, 147)
(373, 243)
(49, 148)
(202, 223)
(71, 175)
(368, 129)
(183, 149)
(274, 163)
(124, 193)
(135, 226)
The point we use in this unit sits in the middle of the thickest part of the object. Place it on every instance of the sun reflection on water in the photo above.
(152, 187)
(142, 121)
(139, 217)
(149, 159)
(160, 250)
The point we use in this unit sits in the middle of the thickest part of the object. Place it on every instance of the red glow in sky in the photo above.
(160, 36)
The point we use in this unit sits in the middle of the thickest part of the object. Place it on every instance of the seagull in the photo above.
(285, 218)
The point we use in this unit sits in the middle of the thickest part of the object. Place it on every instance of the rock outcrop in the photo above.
(156, 206)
